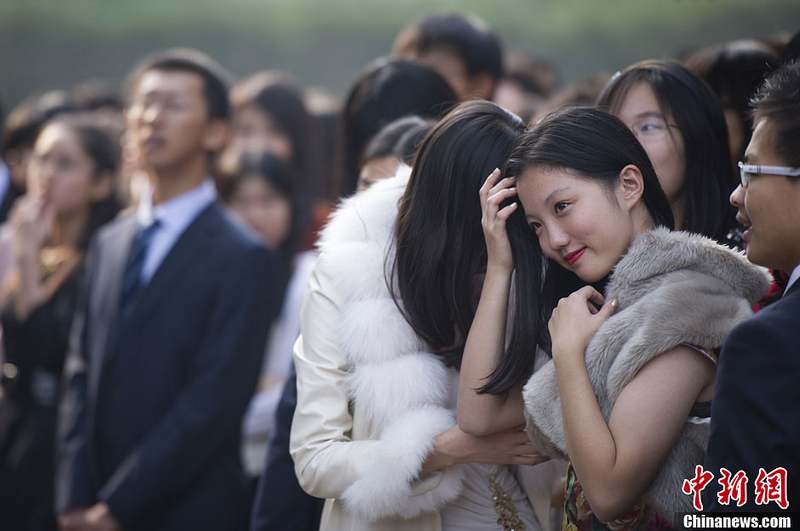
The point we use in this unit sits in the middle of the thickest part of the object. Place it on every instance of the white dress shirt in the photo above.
(173, 216)
(793, 278)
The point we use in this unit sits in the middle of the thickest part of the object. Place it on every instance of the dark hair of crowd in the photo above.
(695, 109)
(278, 175)
(596, 146)
(734, 71)
(387, 89)
(778, 100)
(791, 51)
(469, 37)
(408, 144)
(215, 79)
(26, 120)
(275, 95)
(387, 143)
(99, 137)
(440, 253)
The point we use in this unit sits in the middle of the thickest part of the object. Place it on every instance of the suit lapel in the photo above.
(186, 251)
(104, 302)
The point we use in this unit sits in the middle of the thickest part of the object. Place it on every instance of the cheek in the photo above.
(668, 163)
(71, 190)
(280, 146)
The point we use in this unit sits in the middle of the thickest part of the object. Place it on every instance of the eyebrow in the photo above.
(650, 114)
(554, 192)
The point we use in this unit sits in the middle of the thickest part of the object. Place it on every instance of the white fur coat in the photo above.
(398, 389)
(672, 288)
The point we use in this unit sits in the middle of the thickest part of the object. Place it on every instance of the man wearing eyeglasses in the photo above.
(755, 418)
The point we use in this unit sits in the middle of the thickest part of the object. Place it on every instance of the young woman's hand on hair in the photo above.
(576, 320)
(493, 219)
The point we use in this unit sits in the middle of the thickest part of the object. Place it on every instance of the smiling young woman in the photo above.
(631, 369)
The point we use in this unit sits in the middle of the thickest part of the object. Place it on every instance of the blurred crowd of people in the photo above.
(158, 242)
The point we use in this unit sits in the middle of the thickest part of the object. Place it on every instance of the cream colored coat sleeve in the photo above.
(336, 453)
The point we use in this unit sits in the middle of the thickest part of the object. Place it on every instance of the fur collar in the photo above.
(672, 288)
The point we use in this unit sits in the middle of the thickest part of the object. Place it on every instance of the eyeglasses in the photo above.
(746, 171)
(651, 127)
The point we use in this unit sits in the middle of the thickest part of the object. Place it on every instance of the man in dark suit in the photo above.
(755, 418)
(168, 342)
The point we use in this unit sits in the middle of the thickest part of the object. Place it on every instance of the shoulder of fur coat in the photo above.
(672, 288)
(398, 389)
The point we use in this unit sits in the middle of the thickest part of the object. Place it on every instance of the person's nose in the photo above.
(152, 113)
(737, 197)
(558, 237)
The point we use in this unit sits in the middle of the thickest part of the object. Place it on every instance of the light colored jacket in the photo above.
(371, 399)
(672, 288)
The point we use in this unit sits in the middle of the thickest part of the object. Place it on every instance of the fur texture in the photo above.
(672, 288)
(400, 391)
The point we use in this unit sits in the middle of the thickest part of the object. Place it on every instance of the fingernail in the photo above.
(613, 303)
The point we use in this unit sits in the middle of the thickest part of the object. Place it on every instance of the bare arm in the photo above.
(484, 414)
(618, 460)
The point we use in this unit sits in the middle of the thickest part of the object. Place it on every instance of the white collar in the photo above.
(793, 278)
(178, 211)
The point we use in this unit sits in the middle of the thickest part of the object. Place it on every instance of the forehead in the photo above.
(761, 149)
(171, 82)
(56, 135)
(640, 99)
(539, 185)
(444, 58)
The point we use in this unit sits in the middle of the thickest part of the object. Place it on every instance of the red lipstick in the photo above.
(573, 257)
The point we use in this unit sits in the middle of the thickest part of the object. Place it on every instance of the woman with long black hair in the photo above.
(384, 323)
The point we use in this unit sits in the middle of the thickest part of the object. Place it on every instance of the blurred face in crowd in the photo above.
(255, 131)
(263, 208)
(62, 174)
(767, 207)
(448, 63)
(659, 136)
(377, 169)
(450, 66)
(168, 123)
(736, 132)
(510, 95)
(581, 223)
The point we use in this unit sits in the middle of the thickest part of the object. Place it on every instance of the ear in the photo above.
(101, 187)
(631, 186)
(216, 136)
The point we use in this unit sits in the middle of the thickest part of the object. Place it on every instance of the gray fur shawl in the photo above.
(671, 288)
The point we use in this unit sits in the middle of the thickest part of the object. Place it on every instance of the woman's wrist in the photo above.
(568, 357)
(440, 457)
(499, 269)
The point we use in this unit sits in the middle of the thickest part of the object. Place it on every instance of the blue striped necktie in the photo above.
(132, 279)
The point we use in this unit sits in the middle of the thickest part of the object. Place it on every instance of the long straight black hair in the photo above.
(440, 254)
(696, 110)
(597, 146)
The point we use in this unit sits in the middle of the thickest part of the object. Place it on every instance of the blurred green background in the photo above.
(57, 43)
